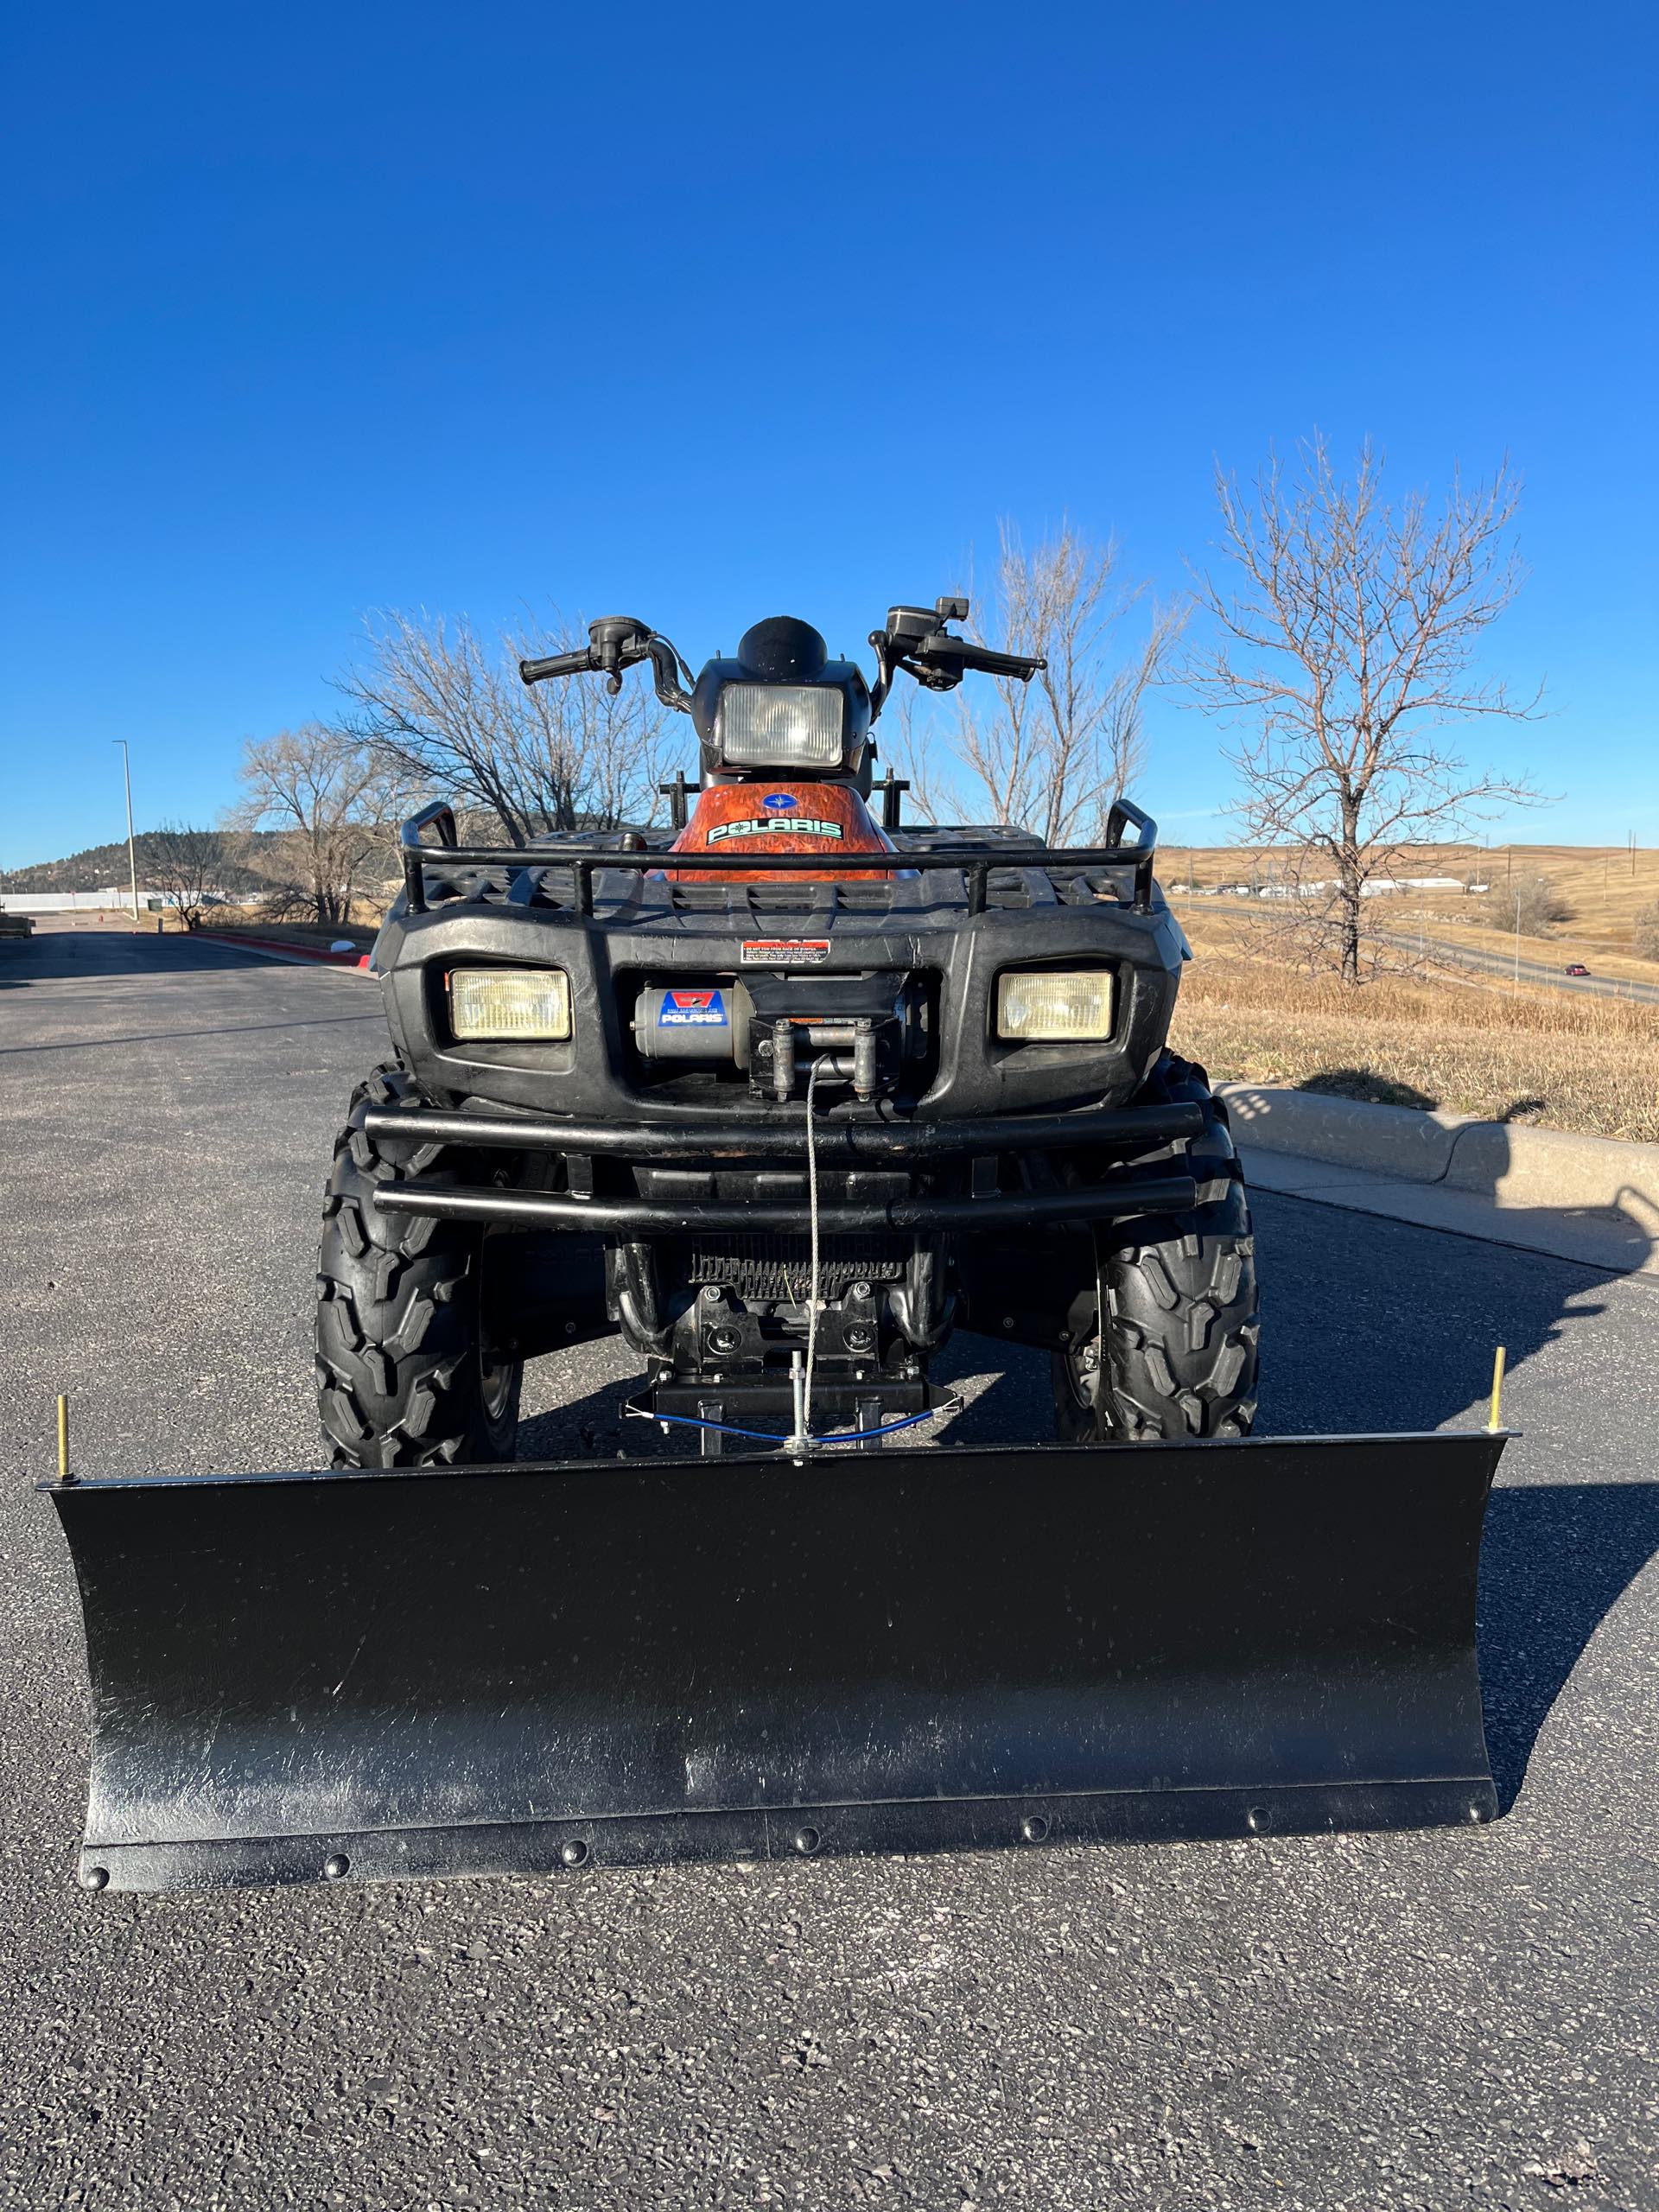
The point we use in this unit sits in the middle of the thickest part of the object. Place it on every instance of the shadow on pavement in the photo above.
(1556, 1558)
(59, 955)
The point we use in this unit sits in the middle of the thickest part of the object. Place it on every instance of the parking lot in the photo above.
(1418, 2020)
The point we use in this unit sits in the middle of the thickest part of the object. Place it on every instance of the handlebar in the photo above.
(916, 640)
(616, 642)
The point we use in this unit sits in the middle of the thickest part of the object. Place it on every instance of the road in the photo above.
(1529, 971)
(1354, 2023)
(1551, 974)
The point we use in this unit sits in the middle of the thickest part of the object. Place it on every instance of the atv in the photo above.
(783, 1094)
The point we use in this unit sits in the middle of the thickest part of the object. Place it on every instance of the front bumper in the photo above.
(630, 1218)
(1101, 1137)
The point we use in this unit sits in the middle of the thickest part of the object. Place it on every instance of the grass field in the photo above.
(1555, 1058)
(1604, 887)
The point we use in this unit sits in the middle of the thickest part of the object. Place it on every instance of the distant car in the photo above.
(1577, 968)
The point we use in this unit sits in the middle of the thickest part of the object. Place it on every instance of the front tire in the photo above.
(1176, 1356)
(405, 1375)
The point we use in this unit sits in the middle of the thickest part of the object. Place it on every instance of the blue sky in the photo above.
(707, 314)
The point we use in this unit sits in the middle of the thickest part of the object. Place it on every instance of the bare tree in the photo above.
(1052, 756)
(185, 864)
(443, 706)
(1345, 642)
(1536, 902)
(332, 796)
(917, 760)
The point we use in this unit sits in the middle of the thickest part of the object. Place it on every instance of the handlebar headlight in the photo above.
(1055, 1006)
(497, 1002)
(781, 726)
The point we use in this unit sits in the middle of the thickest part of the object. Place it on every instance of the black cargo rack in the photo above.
(974, 863)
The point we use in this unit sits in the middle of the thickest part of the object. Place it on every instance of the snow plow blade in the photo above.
(526, 1669)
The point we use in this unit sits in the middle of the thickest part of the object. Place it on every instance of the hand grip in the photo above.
(988, 663)
(576, 664)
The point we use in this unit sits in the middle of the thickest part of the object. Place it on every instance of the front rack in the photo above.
(974, 863)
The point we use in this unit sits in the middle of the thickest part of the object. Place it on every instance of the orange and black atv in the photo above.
(784, 1096)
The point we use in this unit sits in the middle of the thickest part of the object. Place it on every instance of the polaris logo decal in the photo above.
(779, 802)
(692, 1010)
(752, 827)
(785, 951)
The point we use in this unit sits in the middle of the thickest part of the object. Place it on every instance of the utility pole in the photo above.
(132, 850)
(1517, 943)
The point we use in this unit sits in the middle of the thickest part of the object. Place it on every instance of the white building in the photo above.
(80, 902)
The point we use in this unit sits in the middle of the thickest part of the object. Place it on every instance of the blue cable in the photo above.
(765, 1436)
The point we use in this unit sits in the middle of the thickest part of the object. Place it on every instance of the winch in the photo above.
(860, 1028)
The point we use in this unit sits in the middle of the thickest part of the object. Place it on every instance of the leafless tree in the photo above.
(442, 705)
(1343, 644)
(185, 864)
(1052, 756)
(333, 798)
(910, 745)
(1533, 901)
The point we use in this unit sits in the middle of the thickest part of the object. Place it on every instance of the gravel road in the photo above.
(1453, 2019)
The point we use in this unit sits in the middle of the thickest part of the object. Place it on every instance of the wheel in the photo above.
(405, 1377)
(1177, 1356)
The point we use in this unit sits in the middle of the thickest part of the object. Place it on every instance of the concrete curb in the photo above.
(1589, 1198)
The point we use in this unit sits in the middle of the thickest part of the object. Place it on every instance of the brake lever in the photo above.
(953, 658)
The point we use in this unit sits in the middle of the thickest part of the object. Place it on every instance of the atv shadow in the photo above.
(1379, 1324)
(1556, 1558)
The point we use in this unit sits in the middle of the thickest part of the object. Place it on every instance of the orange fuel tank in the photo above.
(756, 817)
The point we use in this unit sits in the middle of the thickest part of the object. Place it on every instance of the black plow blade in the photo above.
(306, 1677)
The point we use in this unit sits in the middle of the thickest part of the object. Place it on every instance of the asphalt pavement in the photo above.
(1363, 2022)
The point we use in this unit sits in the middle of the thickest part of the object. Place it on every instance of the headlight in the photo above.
(509, 1002)
(1061, 1005)
(781, 726)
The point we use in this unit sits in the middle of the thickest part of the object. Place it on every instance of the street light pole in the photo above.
(132, 850)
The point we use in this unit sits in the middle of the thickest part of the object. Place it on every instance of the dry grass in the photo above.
(1590, 1065)
(362, 928)
(1604, 887)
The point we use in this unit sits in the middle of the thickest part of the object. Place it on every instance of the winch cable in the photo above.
(813, 1297)
(802, 1435)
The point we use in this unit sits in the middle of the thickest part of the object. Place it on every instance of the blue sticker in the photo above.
(779, 802)
(692, 1010)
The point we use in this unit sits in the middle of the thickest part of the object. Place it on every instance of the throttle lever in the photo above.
(616, 642)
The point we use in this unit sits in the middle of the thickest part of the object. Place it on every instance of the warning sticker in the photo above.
(785, 951)
(751, 826)
(692, 1010)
